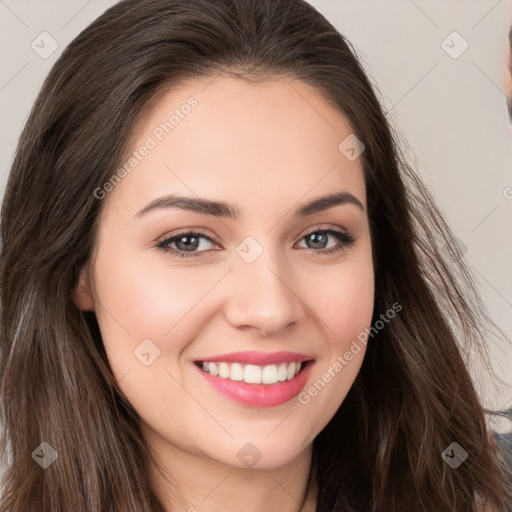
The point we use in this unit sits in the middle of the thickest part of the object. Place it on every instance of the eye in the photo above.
(186, 242)
(320, 237)
(190, 241)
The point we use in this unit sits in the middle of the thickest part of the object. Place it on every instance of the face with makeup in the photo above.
(241, 264)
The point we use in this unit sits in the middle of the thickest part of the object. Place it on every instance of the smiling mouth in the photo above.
(254, 374)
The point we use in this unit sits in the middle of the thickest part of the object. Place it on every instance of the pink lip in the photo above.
(259, 395)
(259, 358)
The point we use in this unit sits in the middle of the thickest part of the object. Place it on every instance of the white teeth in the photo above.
(282, 373)
(237, 372)
(253, 374)
(269, 374)
(213, 368)
(223, 370)
(291, 371)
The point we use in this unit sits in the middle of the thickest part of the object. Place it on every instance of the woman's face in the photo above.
(267, 281)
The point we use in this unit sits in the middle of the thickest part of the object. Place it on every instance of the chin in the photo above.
(261, 453)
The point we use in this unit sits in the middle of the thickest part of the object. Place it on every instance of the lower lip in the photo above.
(259, 395)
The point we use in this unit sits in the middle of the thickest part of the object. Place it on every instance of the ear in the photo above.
(82, 295)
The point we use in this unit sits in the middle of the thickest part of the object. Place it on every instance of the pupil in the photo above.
(314, 236)
(192, 245)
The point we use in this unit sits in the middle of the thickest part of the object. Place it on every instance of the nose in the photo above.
(263, 297)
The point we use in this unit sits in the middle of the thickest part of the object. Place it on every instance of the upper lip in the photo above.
(259, 358)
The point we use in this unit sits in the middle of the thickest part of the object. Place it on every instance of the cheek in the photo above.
(343, 298)
(146, 299)
(141, 299)
(348, 308)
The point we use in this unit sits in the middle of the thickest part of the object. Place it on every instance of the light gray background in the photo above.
(452, 111)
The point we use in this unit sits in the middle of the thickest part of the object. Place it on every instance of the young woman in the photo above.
(223, 288)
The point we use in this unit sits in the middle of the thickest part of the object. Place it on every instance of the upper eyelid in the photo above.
(194, 231)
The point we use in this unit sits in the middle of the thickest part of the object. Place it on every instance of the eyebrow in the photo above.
(221, 209)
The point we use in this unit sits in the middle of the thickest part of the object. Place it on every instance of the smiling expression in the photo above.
(250, 259)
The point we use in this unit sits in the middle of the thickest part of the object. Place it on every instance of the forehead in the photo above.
(236, 140)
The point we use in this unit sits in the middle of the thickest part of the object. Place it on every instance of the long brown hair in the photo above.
(414, 394)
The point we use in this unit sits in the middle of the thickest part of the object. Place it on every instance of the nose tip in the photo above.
(267, 304)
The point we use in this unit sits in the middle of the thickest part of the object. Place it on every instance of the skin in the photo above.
(266, 147)
(507, 77)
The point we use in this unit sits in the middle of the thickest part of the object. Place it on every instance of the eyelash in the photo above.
(344, 238)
